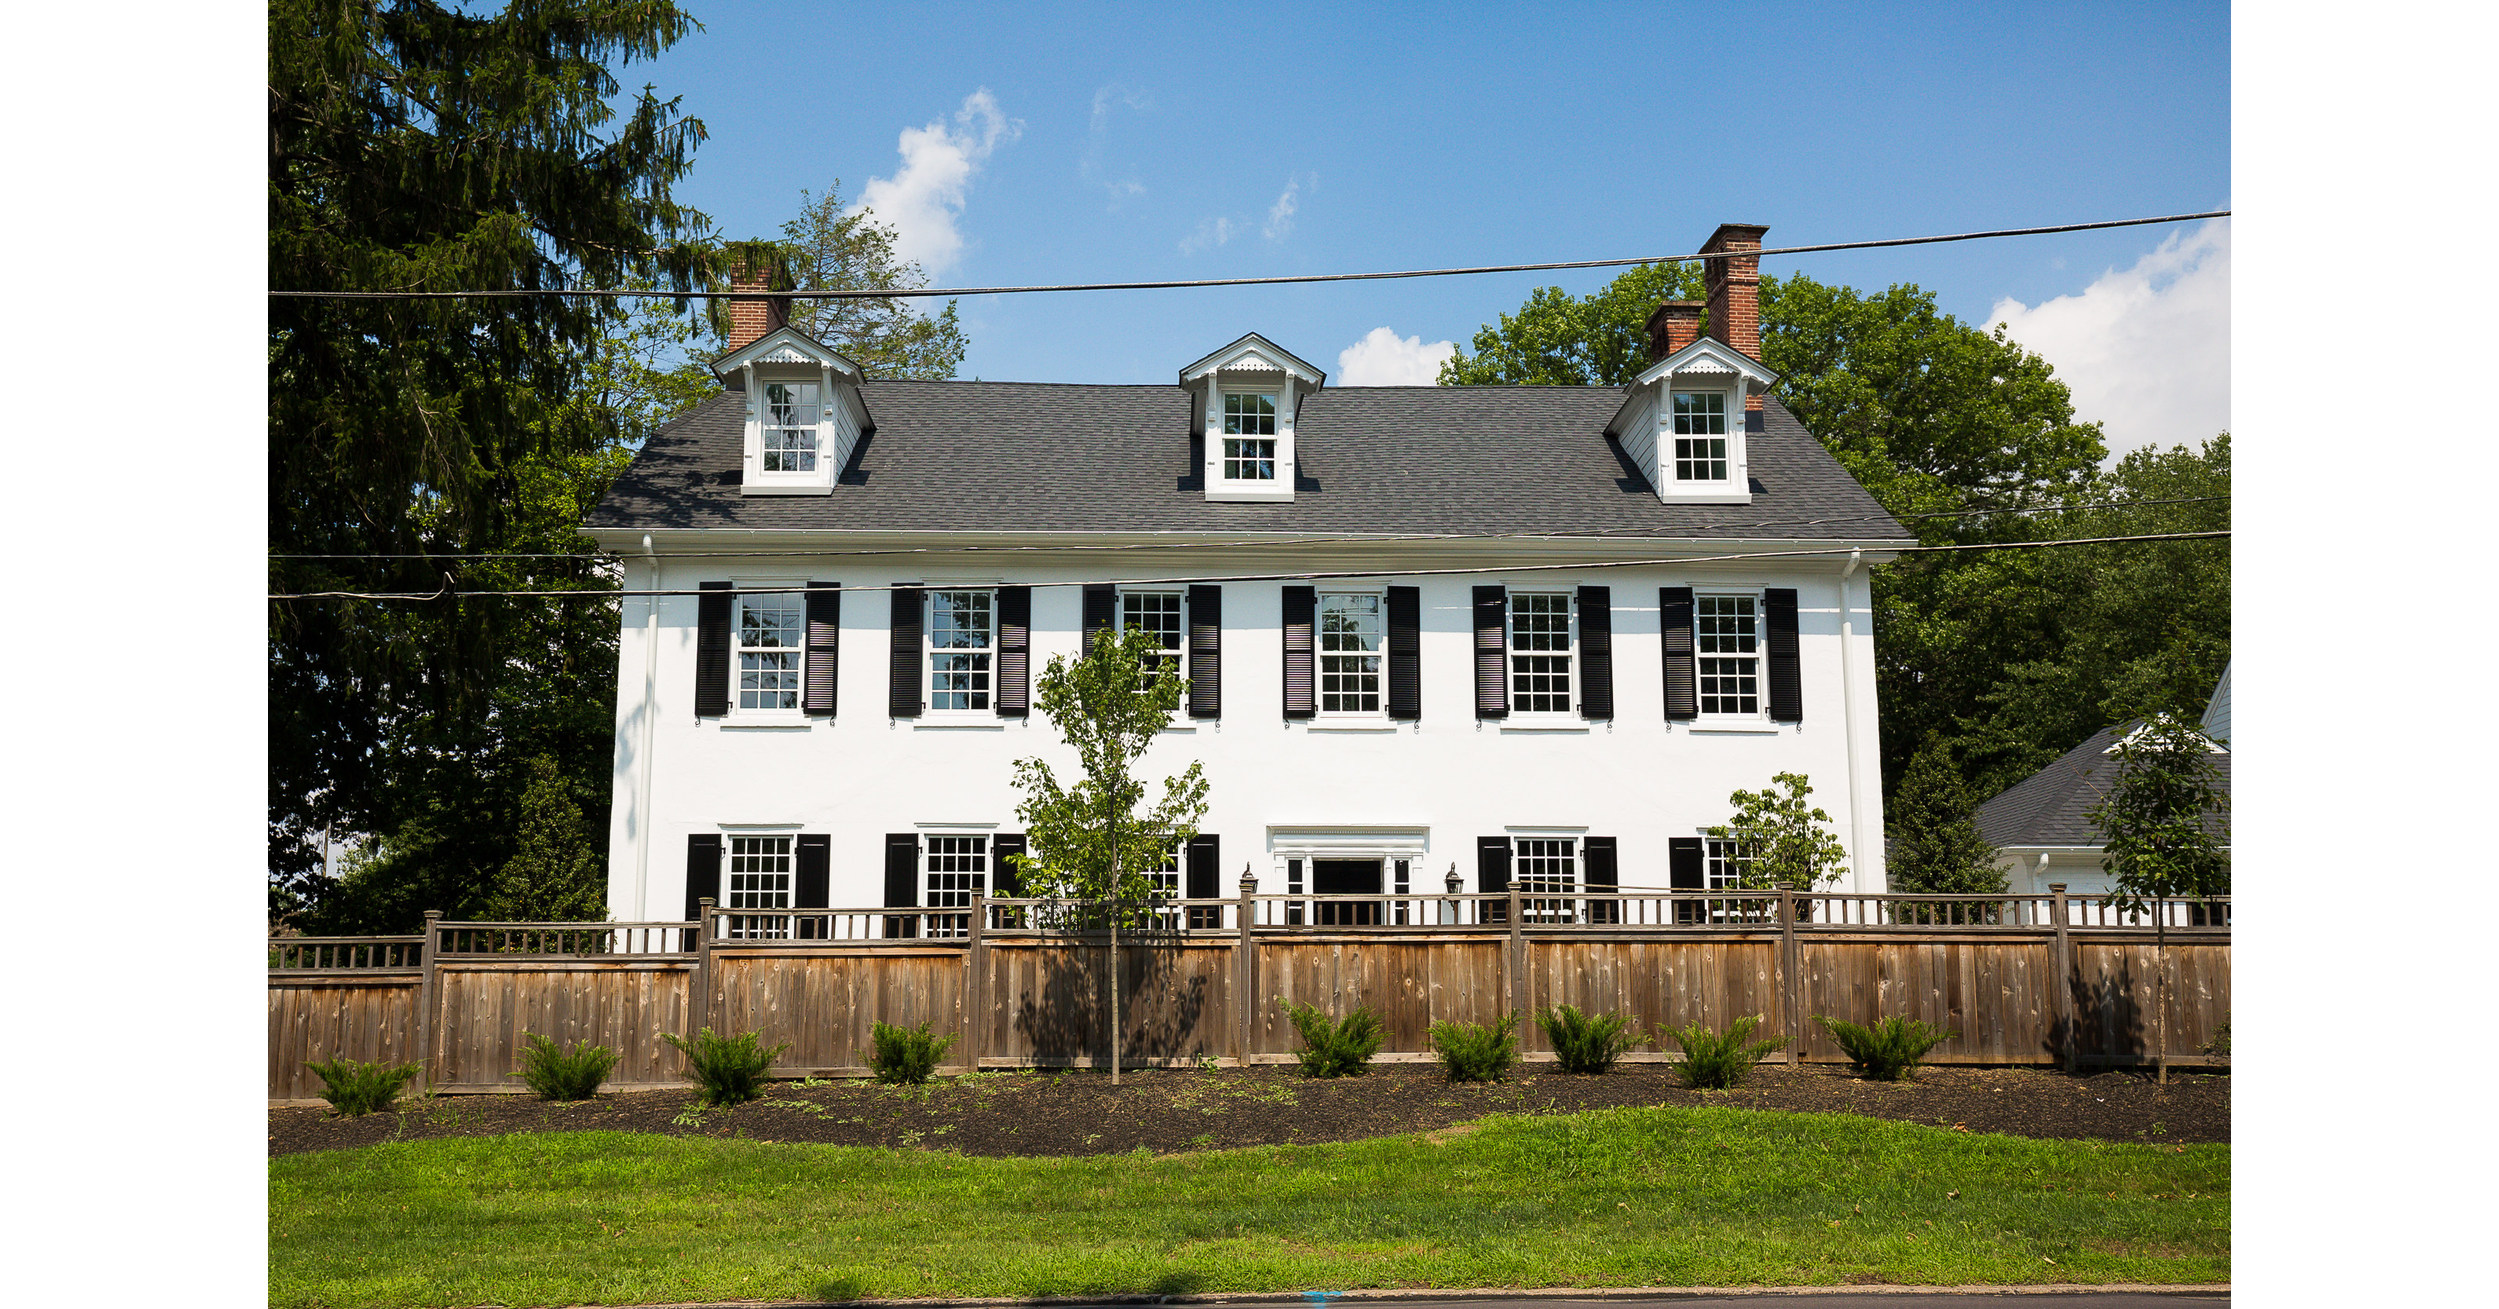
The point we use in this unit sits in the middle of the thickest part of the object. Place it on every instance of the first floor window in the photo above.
(790, 417)
(1700, 436)
(1349, 654)
(759, 878)
(1249, 437)
(1725, 867)
(772, 633)
(1726, 643)
(958, 877)
(1540, 654)
(961, 637)
(1156, 613)
(1546, 872)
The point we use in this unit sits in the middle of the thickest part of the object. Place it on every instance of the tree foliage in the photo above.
(829, 250)
(1933, 845)
(1781, 839)
(2162, 821)
(556, 875)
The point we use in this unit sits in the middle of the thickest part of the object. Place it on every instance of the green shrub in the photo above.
(2220, 1044)
(354, 1087)
(1334, 1049)
(1714, 1061)
(557, 1074)
(1887, 1050)
(725, 1070)
(1583, 1044)
(906, 1055)
(1476, 1054)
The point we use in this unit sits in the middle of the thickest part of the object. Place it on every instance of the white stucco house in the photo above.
(1502, 632)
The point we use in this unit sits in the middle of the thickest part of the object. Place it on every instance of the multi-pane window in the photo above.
(772, 631)
(759, 878)
(1726, 640)
(958, 877)
(790, 418)
(1349, 654)
(1546, 871)
(961, 637)
(1157, 612)
(1249, 437)
(1165, 880)
(1700, 436)
(1725, 868)
(1540, 654)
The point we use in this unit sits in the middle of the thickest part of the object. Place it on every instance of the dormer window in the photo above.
(1249, 436)
(804, 413)
(1243, 404)
(790, 415)
(1683, 423)
(1700, 436)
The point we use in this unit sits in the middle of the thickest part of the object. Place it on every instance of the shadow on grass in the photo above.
(852, 1290)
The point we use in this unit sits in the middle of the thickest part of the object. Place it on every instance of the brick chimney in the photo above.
(1735, 291)
(1674, 325)
(751, 320)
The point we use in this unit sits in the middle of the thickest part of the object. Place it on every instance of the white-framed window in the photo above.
(1249, 436)
(957, 871)
(759, 878)
(792, 419)
(1540, 652)
(962, 641)
(771, 636)
(1700, 436)
(1160, 613)
(1545, 869)
(1726, 651)
(1350, 645)
(1724, 864)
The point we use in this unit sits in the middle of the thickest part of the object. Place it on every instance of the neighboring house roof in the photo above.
(2049, 807)
(2217, 711)
(1029, 456)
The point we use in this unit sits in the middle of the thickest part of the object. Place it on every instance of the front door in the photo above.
(1346, 877)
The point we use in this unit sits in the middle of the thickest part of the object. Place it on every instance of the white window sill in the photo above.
(1736, 727)
(1351, 725)
(786, 488)
(773, 723)
(1706, 493)
(934, 723)
(1185, 729)
(1246, 491)
(1522, 724)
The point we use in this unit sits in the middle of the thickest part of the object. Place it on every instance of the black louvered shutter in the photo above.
(1492, 877)
(1301, 608)
(824, 647)
(1205, 652)
(1492, 681)
(1405, 652)
(1205, 880)
(1683, 873)
(1596, 652)
(1603, 875)
(702, 876)
(812, 888)
(1006, 877)
(1015, 652)
(1674, 619)
(711, 650)
(903, 692)
(1101, 611)
(1787, 681)
(902, 882)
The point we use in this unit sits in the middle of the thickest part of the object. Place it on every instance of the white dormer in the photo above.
(1243, 400)
(1683, 423)
(804, 413)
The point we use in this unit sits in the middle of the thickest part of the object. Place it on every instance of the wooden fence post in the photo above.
(1245, 971)
(2062, 963)
(1791, 995)
(698, 997)
(426, 1000)
(975, 985)
(1516, 973)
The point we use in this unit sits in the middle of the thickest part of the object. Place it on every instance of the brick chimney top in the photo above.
(1672, 326)
(1735, 290)
(751, 320)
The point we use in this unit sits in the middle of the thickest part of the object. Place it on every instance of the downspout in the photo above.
(650, 727)
(1848, 711)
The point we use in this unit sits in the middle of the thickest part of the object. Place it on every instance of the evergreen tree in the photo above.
(1935, 848)
(2163, 822)
(555, 876)
(828, 250)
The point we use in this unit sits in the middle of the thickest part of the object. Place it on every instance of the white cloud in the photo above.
(924, 197)
(1096, 133)
(1213, 231)
(2146, 350)
(1280, 214)
(1382, 358)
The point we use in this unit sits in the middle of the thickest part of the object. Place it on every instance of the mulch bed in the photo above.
(1079, 1112)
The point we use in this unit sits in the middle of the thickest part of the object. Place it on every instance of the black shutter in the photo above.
(903, 695)
(1492, 682)
(711, 650)
(1101, 611)
(902, 882)
(813, 886)
(1787, 682)
(1006, 878)
(1015, 651)
(1492, 877)
(824, 647)
(702, 876)
(1301, 607)
(1598, 862)
(1683, 873)
(1205, 880)
(1596, 652)
(1405, 652)
(1674, 619)
(1205, 652)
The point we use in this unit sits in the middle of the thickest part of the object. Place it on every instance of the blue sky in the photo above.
(1120, 143)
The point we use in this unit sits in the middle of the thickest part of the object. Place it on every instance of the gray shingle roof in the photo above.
(1028, 456)
(2047, 808)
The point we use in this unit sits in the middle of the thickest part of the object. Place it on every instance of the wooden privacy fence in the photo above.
(1023, 983)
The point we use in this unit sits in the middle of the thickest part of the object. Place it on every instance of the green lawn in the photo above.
(1621, 1197)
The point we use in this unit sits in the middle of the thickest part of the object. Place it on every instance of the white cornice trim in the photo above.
(1271, 358)
(813, 350)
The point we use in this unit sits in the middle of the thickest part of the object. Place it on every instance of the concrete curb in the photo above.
(1487, 1295)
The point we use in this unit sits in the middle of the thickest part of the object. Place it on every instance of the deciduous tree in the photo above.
(1782, 840)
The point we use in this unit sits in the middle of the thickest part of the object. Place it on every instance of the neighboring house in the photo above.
(2041, 827)
(1397, 671)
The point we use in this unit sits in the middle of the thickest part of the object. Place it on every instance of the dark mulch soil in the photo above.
(1059, 1112)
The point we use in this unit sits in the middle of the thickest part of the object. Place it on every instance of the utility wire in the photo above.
(898, 293)
(447, 593)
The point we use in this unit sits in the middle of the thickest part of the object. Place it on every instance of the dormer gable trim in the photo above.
(1255, 353)
(784, 345)
(1711, 355)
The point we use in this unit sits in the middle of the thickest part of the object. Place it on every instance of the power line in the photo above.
(447, 593)
(898, 293)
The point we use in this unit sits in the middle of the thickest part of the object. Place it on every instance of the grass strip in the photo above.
(1617, 1197)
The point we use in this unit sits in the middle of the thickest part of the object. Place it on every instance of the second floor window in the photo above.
(1349, 654)
(1158, 613)
(1540, 654)
(961, 640)
(772, 633)
(790, 417)
(1700, 436)
(1249, 437)
(1726, 646)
